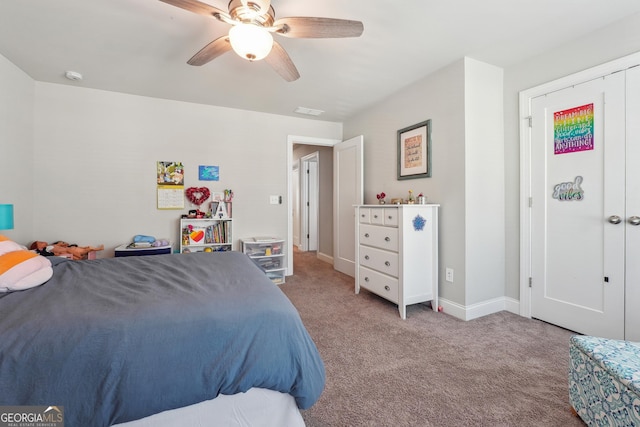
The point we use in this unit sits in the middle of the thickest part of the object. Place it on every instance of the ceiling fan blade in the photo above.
(198, 7)
(279, 60)
(301, 27)
(211, 51)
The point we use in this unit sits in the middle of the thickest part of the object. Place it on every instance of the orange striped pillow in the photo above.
(21, 269)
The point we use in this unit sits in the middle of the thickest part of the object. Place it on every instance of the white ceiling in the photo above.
(142, 46)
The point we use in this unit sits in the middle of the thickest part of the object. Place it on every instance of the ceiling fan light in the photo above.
(250, 41)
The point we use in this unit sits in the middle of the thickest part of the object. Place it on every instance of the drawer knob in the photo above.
(375, 216)
(387, 288)
(366, 279)
(366, 234)
(366, 257)
(387, 239)
(362, 215)
(387, 263)
(390, 217)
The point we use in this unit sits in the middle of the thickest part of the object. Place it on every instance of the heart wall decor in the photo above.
(196, 195)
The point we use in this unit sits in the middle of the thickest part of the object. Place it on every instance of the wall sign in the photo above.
(568, 191)
(573, 129)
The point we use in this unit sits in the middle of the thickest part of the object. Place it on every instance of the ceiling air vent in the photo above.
(308, 111)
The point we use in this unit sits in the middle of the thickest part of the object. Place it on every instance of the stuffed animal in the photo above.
(64, 248)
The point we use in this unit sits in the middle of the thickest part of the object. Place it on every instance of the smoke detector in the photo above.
(73, 75)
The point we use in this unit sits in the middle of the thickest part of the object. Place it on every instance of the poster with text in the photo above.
(573, 130)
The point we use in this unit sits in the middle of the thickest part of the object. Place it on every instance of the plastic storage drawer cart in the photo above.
(604, 381)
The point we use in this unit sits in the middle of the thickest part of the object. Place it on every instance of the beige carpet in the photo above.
(431, 369)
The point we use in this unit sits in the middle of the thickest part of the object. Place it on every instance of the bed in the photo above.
(143, 341)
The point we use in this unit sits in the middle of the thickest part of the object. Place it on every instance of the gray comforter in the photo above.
(114, 340)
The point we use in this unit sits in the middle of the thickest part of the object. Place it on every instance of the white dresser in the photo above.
(397, 253)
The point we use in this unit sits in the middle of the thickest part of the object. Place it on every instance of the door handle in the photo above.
(615, 219)
(634, 220)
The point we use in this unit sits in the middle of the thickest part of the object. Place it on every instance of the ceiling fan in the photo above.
(253, 22)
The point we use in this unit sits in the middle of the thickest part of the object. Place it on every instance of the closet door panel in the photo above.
(632, 291)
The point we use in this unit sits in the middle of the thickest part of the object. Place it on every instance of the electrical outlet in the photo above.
(274, 200)
(448, 276)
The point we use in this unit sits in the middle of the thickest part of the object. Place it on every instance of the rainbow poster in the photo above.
(573, 129)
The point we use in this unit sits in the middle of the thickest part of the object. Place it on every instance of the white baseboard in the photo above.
(325, 258)
(480, 309)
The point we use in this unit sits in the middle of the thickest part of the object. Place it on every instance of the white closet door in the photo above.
(577, 188)
(632, 297)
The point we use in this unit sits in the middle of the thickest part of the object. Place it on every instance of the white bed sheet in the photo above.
(257, 407)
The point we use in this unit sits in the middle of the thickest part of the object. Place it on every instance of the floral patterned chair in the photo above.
(604, 381)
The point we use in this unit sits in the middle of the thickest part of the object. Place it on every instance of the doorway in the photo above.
(309, 145)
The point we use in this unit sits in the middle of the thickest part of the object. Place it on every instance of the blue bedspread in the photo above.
(114, 340)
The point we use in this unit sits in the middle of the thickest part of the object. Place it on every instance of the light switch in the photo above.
(274, 200)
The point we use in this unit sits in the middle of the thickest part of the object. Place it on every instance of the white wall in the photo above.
(439, 97)
(96, 153)
(484, 182)
(464, 103)
(615, 41)
(16, 147)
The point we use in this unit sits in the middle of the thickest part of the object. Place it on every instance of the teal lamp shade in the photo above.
(6, 217)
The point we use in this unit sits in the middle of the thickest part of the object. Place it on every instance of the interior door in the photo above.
(313, 189)
(347, 192)
(578, 207)
(310, 202)
(295, 193)
(632, 288)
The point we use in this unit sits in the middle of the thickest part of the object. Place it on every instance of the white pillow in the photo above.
(20, 268)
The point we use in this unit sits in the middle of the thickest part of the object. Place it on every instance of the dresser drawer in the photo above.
(379, 236)
(377, 259)
(377, 216)
(385, 286)
(390, 217)
(384, 216)
(364, 215)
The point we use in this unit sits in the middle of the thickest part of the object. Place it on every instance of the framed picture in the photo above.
(414, 151)
(208, 173)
